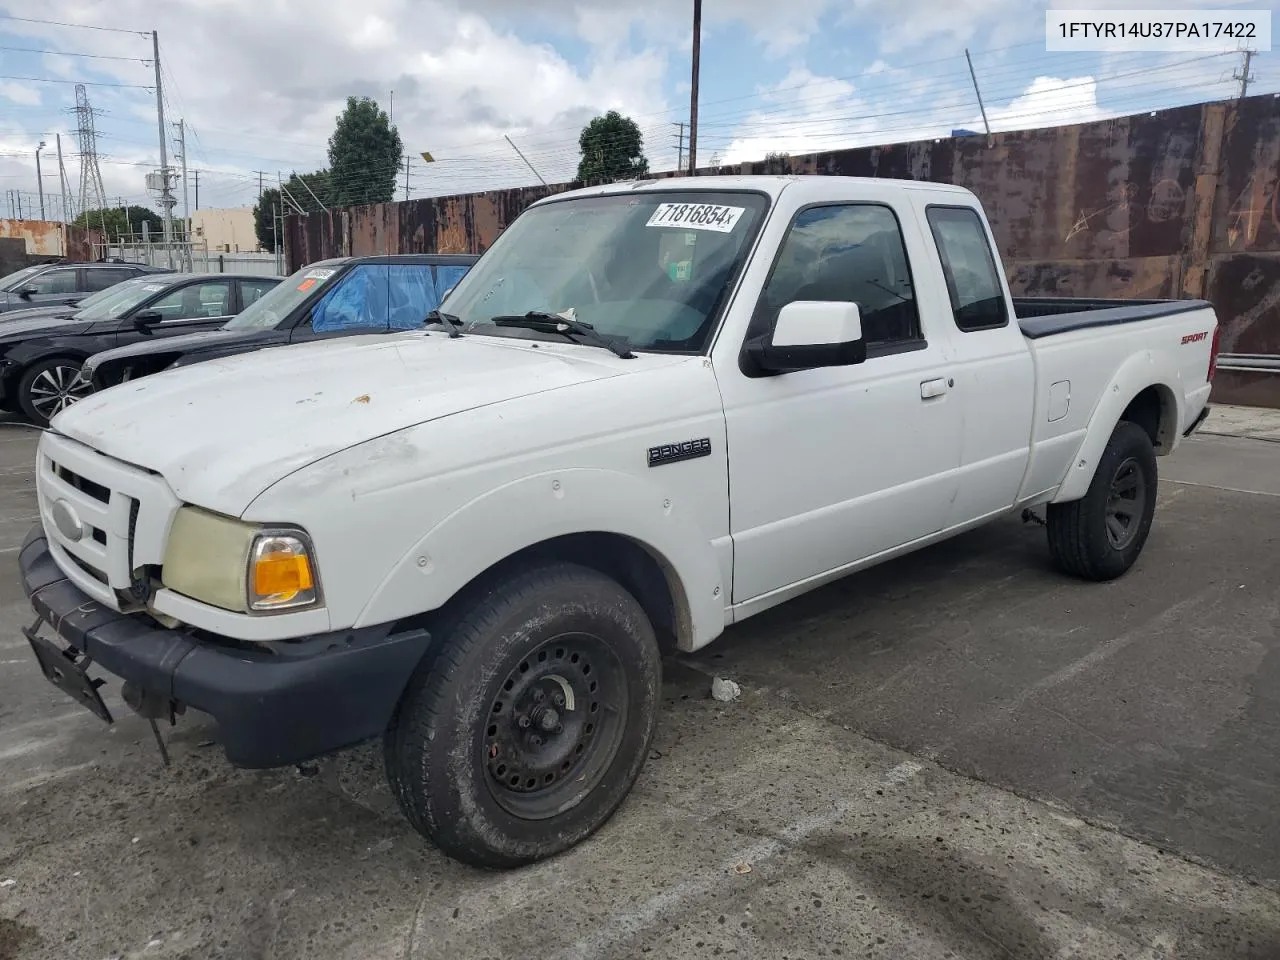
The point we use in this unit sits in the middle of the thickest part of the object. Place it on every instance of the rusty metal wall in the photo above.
(1180, 202)
(27, 242)
(42, 237)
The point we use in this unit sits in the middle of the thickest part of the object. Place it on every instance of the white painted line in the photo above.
(1214, 486)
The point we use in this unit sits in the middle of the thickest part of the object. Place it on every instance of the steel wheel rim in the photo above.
(57, 388)
(1126, 503)
(554, 726)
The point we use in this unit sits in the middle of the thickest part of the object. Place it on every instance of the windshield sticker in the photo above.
(320, 274)
(307, 284)
(153, 287)
(696, 216)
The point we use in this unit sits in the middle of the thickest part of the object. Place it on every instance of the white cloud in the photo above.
(265, 80)
(19, 93)
(809, 113)
(1050, 101)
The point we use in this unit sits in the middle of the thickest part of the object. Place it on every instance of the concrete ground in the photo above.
(960, 754)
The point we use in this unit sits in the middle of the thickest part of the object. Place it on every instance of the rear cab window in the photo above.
(969, 267)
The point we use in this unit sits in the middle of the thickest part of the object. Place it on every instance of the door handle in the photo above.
(934, 388)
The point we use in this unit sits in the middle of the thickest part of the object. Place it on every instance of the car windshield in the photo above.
(116, 301)
(15, 280)
(649, 270)
(277, 303)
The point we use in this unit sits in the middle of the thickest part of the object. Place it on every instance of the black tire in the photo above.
(1099, 536)
(482, 696)
(47, 387)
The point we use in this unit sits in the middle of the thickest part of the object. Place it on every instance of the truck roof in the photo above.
(771, 184)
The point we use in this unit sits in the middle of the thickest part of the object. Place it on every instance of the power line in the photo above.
(81, 26)
(62, 53)
(87, 83)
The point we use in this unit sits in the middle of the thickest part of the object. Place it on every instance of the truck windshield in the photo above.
(649, 269)
(118, 300)
(276, 304)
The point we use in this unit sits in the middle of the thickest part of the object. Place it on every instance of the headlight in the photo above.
(239, 566)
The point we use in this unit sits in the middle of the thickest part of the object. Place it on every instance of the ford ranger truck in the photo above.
(649, 411)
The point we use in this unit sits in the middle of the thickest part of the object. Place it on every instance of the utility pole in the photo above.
(186, 200)
(275, 234)
(166, 201)
(693, 93)
(260, 174)
(406, 178)
(1244, 76)
(18, 194)
(526, 160)
(196, 174)
(680, 148)
(62, 180)
(974, 77)
(40, 178)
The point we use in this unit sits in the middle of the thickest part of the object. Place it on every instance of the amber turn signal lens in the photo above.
(281, 574)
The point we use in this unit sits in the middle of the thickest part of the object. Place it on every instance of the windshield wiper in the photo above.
(555, 323)
(446, 320)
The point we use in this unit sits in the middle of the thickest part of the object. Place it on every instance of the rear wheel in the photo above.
(1099, 536)
(49, 387)
(528, 727)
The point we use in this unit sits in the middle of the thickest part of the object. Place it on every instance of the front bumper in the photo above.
(275, 703)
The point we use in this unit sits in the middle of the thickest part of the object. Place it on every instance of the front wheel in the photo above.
(1099, 536)
(527, 727)
(49, 387)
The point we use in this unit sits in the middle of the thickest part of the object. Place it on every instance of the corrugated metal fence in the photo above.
(1177, 203)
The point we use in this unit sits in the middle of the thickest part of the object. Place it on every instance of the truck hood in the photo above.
(222, 431)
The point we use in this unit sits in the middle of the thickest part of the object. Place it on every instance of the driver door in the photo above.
(833, 465)
(204, 305)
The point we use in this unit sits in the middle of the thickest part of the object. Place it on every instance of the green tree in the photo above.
(612, 149)
(775, 162)
(123, 223)
(304, 193)
(263, 213)
(365, 154)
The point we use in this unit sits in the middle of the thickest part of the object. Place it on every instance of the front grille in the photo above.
(114, 520)
(96, 490)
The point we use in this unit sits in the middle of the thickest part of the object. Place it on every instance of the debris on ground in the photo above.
(742, 869)
(725, 691)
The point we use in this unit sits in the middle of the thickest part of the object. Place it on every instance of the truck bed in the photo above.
(1044, 316)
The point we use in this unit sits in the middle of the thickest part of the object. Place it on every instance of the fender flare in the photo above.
(541, 507)
(1142, 370)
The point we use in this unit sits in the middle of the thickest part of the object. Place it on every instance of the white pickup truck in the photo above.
(650, 411)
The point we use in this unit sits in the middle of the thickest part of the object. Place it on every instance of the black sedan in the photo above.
(330, 298)
(40, 357)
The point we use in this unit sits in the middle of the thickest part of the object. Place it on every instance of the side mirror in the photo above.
(810, 333)
(26, 293)
(144, 320)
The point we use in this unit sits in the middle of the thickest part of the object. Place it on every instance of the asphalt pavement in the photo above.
(959, 754)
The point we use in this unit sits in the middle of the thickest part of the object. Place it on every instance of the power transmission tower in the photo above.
(92, 194)
(1244, 76)
(680, 147)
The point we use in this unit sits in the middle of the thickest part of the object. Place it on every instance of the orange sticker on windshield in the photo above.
(307, 284)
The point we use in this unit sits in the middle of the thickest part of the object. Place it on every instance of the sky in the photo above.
(259, 83)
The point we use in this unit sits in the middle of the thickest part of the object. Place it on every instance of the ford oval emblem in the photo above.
(66, 520)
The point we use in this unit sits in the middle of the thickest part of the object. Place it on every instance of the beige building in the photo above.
(226, 230)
